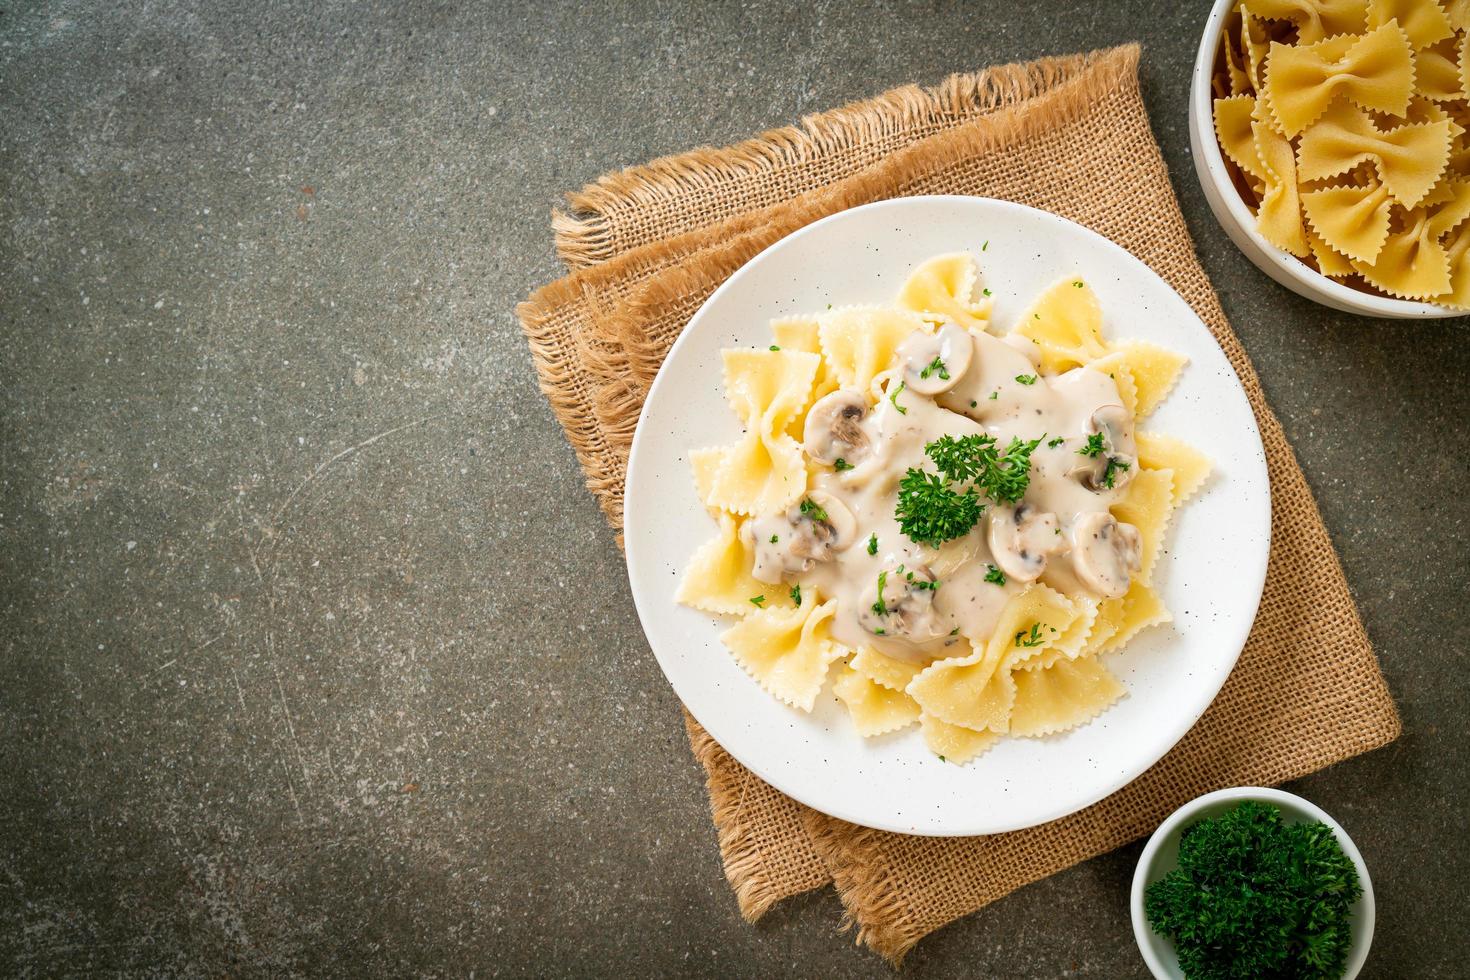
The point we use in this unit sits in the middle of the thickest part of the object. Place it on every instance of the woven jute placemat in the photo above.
(1069, 135)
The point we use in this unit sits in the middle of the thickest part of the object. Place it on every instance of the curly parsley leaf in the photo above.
(894, 398)
(931, 512)
(995, 576)
(935, 366)
(812, 509)
(1094, 445)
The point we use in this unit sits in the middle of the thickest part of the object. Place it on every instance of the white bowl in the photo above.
(1161, 855)
(1231, 211)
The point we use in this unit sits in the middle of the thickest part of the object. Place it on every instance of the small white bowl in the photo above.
(1231, 211)
(1161, 855)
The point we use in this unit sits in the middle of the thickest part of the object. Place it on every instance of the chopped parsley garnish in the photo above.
(756, 600)
(955, 631)
(1110, 471)
(994, 395)
(841, 464)
(995, 576)
(894, 398)
(973, 403)
(985, 291)
(1094, 445)
(931, 512)
(775, 347)
(1078, 283)
(941, 758)
(796, 595)
(775, 538)
(935, 366)
(880, 632)
(1033, 639)
(926, 586)
(986, 245)
(880, 608)
(1026, 379)
(872, 544)
(1255, 896)
(1055, 442)
(811, 509)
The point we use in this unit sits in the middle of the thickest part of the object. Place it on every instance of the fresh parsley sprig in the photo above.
(931, 512)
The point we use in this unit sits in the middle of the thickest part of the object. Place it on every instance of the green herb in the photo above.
(955, 631)
(925, 586)
(930, 511)
(995, 576)
(934, 366)
(880, 608)
(775, 538)
(1036, 316)
(796, 595)
(880, 632)
(995, 394)
(1026, 379)
(872, 544)
(829, 306)
(756, 600)
(1254, 896)
(973, 403)
(941, 758)
(811, 509)
(1034, 639)
(1109, 474)
(841, 464)
(986, 245)
(1008, 480)
(1093, 446)
(985, 291)
(894, 398)
(1078, 283)
(1055, 442)
(961, 458)
(774, 347)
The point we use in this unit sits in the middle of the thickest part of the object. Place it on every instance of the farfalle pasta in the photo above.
(949, 526)
(1345, 123)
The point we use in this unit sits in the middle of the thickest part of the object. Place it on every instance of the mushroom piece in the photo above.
(1021, 539)
(1115, 465)
(899, 604)
(1105, 553)
(934, 363)
(834, 428)
(810, 531)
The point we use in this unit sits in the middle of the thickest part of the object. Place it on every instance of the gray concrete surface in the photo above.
(315, 657)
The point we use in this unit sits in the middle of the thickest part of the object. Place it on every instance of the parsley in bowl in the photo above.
(1252, 882)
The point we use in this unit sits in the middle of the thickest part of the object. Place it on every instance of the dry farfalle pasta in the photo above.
(1345, 124)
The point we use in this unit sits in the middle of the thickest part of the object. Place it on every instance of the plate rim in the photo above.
(632, 548)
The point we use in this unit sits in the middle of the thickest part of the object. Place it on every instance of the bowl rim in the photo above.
(1174, 823)
(1209, 149)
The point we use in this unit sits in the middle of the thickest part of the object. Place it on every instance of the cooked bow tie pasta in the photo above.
(954, 522)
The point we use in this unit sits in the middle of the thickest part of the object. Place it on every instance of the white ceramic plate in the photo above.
(1210, 574)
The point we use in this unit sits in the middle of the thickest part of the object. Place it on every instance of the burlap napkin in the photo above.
(1068, 135)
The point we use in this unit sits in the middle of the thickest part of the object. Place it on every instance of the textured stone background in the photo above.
(315, 657)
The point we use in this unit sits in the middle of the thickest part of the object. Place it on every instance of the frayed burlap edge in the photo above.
(586, 236)
(740, 852)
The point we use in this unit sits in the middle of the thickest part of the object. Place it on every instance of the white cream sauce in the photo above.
(986, 398)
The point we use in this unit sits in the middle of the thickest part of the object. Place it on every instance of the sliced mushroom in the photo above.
(811, 531)
(1022, 538)
(934, 363)
(1115, 464)
(834, 428)
(1105, 553)
(899, 604)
